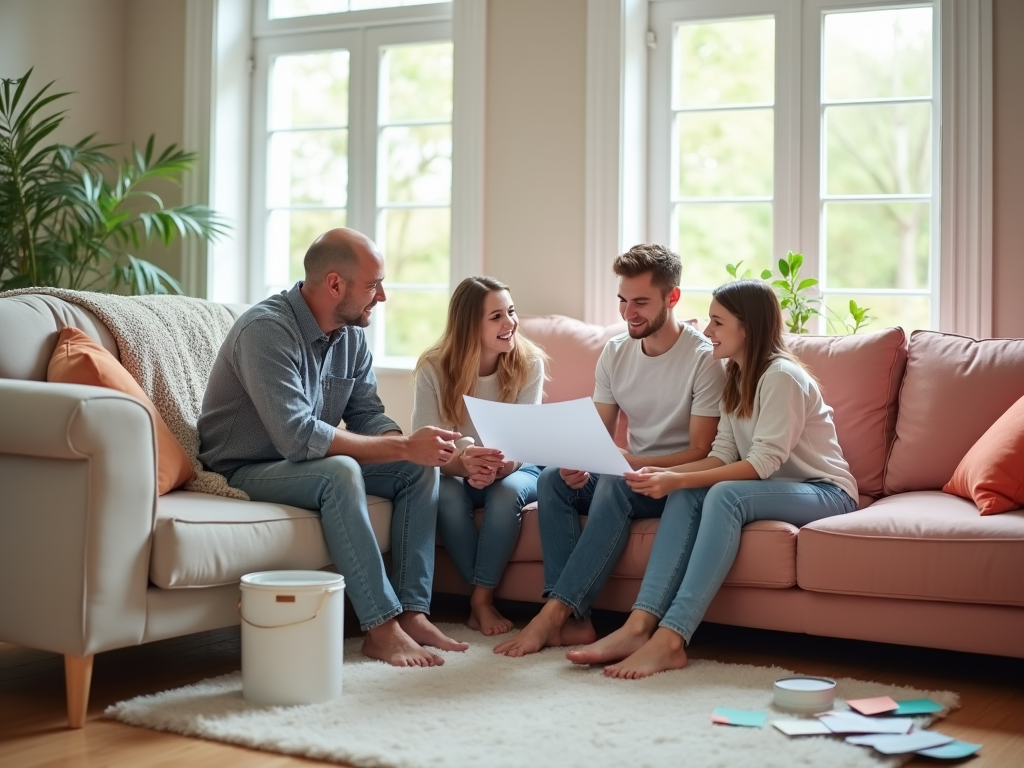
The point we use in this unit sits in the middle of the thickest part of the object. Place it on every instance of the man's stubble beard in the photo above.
(351, 315)
(654, 325)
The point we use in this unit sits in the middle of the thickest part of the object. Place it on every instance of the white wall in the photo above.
(78, 44)
(124, 61)
(536, 86)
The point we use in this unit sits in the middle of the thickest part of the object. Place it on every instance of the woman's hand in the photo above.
(482, 465)
(654, 482)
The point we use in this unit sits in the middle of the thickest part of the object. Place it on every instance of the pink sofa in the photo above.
(913, 565)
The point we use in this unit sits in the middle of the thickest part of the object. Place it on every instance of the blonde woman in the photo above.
(480, 354)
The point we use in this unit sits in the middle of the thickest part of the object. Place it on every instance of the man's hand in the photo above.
(430, 446)
(654, 482)
(574, 478)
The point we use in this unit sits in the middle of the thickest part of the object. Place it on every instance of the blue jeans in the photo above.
(699, 535)
(336, 487)
(481, 557)
(577, 565)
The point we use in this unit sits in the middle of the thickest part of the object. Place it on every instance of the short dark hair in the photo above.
(664, 265)
(330, 255)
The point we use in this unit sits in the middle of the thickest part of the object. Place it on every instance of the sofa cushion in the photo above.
(992, 473)
(31, 324)
(201, 540)
(954, 390)
(78, 359)
(573, 347)
(924, 545)
(860, 378)
(766, 558)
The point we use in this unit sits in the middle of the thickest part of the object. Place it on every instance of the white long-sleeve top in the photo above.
(790, 435)
(426, 404)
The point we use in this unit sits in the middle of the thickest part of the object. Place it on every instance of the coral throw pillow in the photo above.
(992, 472)
(80, 360)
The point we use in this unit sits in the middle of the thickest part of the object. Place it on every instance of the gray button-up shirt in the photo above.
(280, 386)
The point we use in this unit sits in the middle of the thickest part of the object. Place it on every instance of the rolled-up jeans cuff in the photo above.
(576, 612)
(381, 619)
(416, 608)
(648, 608)
(677, 629)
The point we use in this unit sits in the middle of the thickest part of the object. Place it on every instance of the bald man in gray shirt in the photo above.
(292, 369)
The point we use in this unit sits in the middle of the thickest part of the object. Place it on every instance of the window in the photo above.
(352, 126)
(817, 134)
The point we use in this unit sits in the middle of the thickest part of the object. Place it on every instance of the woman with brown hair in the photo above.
(482, 355)
(776, 457)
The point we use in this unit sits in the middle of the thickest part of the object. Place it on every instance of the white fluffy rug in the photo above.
(483, 709)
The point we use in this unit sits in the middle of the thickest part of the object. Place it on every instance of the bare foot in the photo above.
(664, 651)
(551, 627)
(624, 641)
(390, 643)
(486, 620)
(419, 628)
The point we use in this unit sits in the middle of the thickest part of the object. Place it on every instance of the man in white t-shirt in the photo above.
(662, 376)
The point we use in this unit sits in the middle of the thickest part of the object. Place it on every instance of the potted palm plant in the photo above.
(71, 216)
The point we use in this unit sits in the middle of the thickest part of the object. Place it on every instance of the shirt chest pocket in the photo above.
(337, 392)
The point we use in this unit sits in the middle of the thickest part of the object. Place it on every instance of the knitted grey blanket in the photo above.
(168, 344)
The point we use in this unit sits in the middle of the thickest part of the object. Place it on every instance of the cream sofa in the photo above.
(91, 559)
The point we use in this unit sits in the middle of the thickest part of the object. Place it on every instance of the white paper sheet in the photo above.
(850, 722)
(569, 435)
(889, 744)
(801, 727)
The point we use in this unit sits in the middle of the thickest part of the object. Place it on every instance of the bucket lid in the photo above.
(293, 580)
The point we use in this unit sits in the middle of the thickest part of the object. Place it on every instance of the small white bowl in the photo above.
(802, 693)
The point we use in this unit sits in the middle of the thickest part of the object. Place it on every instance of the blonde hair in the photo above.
(456, 355)
(756, 306)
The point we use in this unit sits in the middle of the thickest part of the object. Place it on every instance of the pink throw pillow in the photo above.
(992, 473)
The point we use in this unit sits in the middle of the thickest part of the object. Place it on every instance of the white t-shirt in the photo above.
(426, 403)
(658, 394)
(790, 435)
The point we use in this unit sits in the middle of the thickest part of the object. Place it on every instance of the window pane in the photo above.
(715, 234)
(418, 83)
(414, 321)
(283, 9)
(725, 154)
(289, 235)
(876, 54)
(359, 5)
(417, 245)
(879, 149)
(877, 245)
(309, 89)
(418, 164)
(727, 62)
(908, 312)
(695, 306)
(308, 168)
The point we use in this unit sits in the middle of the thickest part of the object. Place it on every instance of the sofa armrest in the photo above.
(78, 473)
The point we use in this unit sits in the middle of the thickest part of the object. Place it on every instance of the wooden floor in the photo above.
(33, 718)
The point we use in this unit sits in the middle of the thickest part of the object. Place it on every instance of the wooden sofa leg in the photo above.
(77, 679)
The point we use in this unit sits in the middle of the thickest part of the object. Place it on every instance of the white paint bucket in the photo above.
(292, 636)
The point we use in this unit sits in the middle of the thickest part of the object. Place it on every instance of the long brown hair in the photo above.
(456, 355)
(756, 306)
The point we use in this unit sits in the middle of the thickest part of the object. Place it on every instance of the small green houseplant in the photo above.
(796, 298)
(73, 217)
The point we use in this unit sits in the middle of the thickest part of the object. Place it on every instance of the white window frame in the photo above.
(963, 164)
(219, 97)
